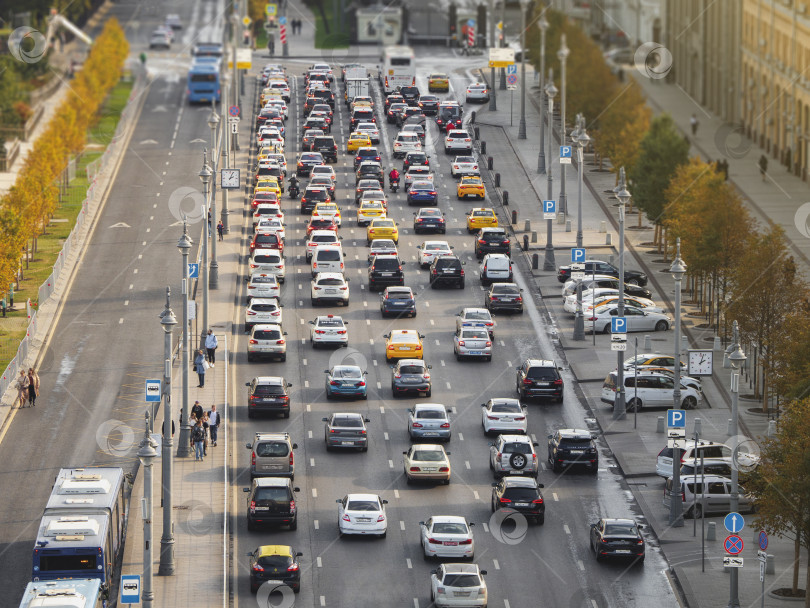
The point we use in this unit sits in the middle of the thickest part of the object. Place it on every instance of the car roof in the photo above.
(455, 568)
(423, 364)
(348, 415)
(474, 309)
(519, 482)
(448, 519)
(540, 363)
(426, 406)
(619, 520)
(269, 379)
(272, 482)
(333, 317)
(574, 433)
(331, 233)
(266, 327)
(362, 497)
(266, 550)
(404, 332)
(263, 301)
(516, 439)
(435, 447)
(330, 275)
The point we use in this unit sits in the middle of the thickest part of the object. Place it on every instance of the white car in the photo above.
(270, 224)
(373, 195)
(406, 142)
(470, 342)
(279, 105)
(588, 303)
(427, 462)
(270, 135)
(370, 129)
(330, 210)
(328, 329)
(362, 514)
(268, 260)
(262, 310)
(447, 536)
(324, 170)
(464, 165)
(264, 210)
(282, 86)
(503, 415)
(430, 249)
(318, 238)
(381, 247)
(279, 158)
(457, 139)
(477, 91)
(458, 585)
(330, 287)
(263, 285)
(712, 452)
(476, 318)
(417, 172)
(267, 341)
(637, 319)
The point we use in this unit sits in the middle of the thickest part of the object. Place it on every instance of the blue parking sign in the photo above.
(676, 419)
(549, 210)
(618, 325)
(565, 155)
(577, 255)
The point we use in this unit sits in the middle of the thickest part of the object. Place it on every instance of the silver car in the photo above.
(447, 536)
(267, 341)
(263, 285)
(345, 430)
(476, 318)
(458, 585)
(477, 91)
(430, 250)
(513, 455)
(469, 342)
(637, 319)
(262, 310)
(429, 421)
(715, 500)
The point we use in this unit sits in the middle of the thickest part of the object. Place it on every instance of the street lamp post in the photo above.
(736, 358)
(619, 404)
(226, 152)
(493, 102)
(522, 128)
(184, 443)
(146, 454)
(562, 55)
(167, 322)
(213, 276)
(205, 176)
(582, 140)
(541, 155)
(678, 269)
(502, 43)
(551, 92)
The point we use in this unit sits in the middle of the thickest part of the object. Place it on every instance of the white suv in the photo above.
(406, 142)
(330, 286)
(329, 329)
(712, 453)
(651, 390)
(457, 140)
(513, 455)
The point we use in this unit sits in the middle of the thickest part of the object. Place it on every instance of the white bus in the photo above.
(398, 68)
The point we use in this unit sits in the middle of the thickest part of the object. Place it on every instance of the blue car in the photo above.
(345, 381)
(422, 191)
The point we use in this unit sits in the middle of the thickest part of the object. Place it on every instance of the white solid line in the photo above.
(385, 436)
(401, 525)
(323, 601)
(408, 561)
(309, 434)
(314, 493)
(567, 529)
(312, 462)
(390, 464)
(554, 496)
(318, 562)
(495, 564)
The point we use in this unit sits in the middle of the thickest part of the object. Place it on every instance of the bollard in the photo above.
(525, 242)
(561, 219)
(711, 530)
(483, 147)
(698, 427)
(514, 216)
(661, 425)
(608, 238)
(527, 226)
(647, 343)
(472, 117)
(684, 344)
(534, 236)
(568, 225)
(770, 565)
(718, 344)
(771, 428)
(497, 177)
(602, 226)
(729, 426)
(489, 163)
(505, 197)
(477, 133)
(535, 261)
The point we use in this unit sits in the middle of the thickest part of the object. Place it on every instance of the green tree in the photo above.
(622, 127)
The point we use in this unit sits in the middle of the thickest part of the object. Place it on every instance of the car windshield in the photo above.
(449, 528)
(428, 455)
(575, 444)
(541, 373)
(330, 322)
(269, 278)
(266, 259)
(404, 338)
(436, 247)
(372, 205)
(503, 288)
(430, 213)
(324, 238)
(346, 372)
(620, 530)
(506, 408)
(270, 494)
(330, 281)
(399, 295)
(363, 505)
(416, 369)
(477, 315)
(516, 448)
(422, 185)
(268, 449)
(461, 580)
(448, 263)
(258, 307)
(347, 421)
(384, 224)
(265, 390)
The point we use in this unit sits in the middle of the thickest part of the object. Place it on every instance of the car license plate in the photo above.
(461, 593)
(430, 468)
(521, 504)
(476, 352)
(430, 434)
(364, 519)
(450, 543)
(448, 270)
(544, 384)
(386, 274)
(347, 443)
(404, 348)
(262, 508)
(411, 380)
(516, 472)
(576, 452)
(622, 551)
(478, 325)
(331, 291)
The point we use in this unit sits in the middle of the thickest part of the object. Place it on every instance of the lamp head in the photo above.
(213, 120)
(205, 174)
(583, 139)
(542, 24)
(737, 357)
(623, 195)
(551, 90)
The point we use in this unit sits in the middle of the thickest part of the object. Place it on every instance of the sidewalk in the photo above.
(634, 449)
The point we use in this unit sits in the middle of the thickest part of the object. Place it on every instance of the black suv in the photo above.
(446, 269)
(312, 196)
(415, 159)
(361, 114)
(385, 270)
(448, 116)
(633, 277)
(325, 144)
(492, 240)
(268, 394)
(393, 98)
(504, 296)
(317, 96)
(306, 161)
(369, 170)
(410, 95)
(522, 495)
(271, 502)
(569, 447)
(429, 104)
(539, 378)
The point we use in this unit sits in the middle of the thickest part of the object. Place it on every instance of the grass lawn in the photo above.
(49, 244)
(334, 40)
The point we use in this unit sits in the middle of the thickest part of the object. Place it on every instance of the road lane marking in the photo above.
(317, 525)
(396, 493)
(121, 320)
(312, 462)
(460, 437)
(495, 564)
(401, 525)
(408, 561)
(309, 434)
(567, 529)
(323, 601)
(314, 493)
(379, 386)
(385, 436)
(467, 464)
(382, 409)
(448, 386)
(390, 464)
(581, 565)
(475, 494)
(306, 383)
(318, 562)
(554, 496)
(486, 527)
(309, 407)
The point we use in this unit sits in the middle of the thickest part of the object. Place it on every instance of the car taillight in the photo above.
(416, 425)
(426, 376)
(462, 274)
(334, 383)
(482, 242)
(492, 418)
(257, 568)
(461, 342)
(341, 332)
(280, 342)
(414, 469)
(537, 501)
(292, 509)
(433, 541)
(558, 382)
(346, 518)
(253, 341)
(381, 518)
(253, 456)
(250, 313)
(444, 469)
(361, 383)
(518, 299)
(504, 501)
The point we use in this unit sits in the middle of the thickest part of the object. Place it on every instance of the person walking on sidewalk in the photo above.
(197, 410)
(205, 433)
(33, 386)
(763, 166)
(198, 437)
(200, 365)
(213, 424)
(211, 347)
(694, 124)
(221, 230)
(22, 388)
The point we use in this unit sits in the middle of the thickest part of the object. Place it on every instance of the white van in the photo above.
(327, 258)
(496, 268)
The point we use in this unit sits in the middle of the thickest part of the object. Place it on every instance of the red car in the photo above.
(266, 240)
(263, 197)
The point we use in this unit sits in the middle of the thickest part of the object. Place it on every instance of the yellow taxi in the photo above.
(481, 217)
(269, 93)
(471, 186)
(359, 102)
(370, 210)
(403, 344)
(357, 140)
(268, 150)
(277, 563)
(438, 81)
(269, 184)
(327, 210)
(382, 228)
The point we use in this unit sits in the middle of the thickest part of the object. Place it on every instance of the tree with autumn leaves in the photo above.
(26, 209)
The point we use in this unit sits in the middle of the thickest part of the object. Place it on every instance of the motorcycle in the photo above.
(393, 184)
(294, 191)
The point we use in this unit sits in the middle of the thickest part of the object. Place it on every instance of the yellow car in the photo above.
(438, 82)
(270, 184)
(357, 140)
(269, 93)
(268, 150)
(382, 228)
(322, 210)
(481, 217)
(403, 344)
(359, 102)
(370, 210)
(471, 186)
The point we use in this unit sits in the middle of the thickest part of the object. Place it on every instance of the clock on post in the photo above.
(701, 362)
(229, 178)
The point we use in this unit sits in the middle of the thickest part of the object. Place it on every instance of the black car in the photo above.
(446, 269)
(393, 110)
(449, 116)
(312, 196)
(407, 113)
(320, 96)
(317, 122)
(306, 161)
(572, 447)
(539, 378)
(266, 171)
(385, 270)
(410, 376)
(492, 240)
(504, 296)
(265, 115)
(275, 563)
(362, 114)
(429, 104)
(397, 301)
(415, 159)
(521, 494)
(366, 153)
(325, 144)
(393, 98)
(369, 170)
(271, 502)
(268, 395)
(410, 95)
(429, 219)
(617, 538)
(363, 185)
(633, 277)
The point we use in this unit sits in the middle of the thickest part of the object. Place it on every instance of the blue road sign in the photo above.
(282, 20)
(130, 589)
(763, 541)
(233, 111)
(550, 207)
(577, 255)
(676, 419)
(194, 271)
(470, 22)
(566, 151)
(734, 522)
(511, 79)
(153, 391)
(511, 69)
(618, 325)
(733, 544)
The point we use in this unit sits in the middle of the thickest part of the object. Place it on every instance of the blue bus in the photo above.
(77, 593)
(203, 83)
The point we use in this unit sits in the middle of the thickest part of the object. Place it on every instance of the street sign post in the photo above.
(618, 342)
(130, 588)
(577, 255)
(733, 544)
(677, 419)
(732, 562)
(549, 210)
(763, 541)
(577, 271)
(233, 111)
(153, 391)
(512, 69)
(618, 325)
(734, 522)
(512, 79)
(194, 271)
(565, 154)
(676, 429)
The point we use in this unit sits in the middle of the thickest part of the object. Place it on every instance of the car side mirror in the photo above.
(249, 446)
(326, 371)
(540, 485)
(325, 419)
(347, 280)
(549, 435)
(365, 373)
(640, 526)
(247, 279)
(483, 572)
(535, 444)
(246, 490)
(338, 501)
(247, 383)
(430, 367)
(421, 523)
(422, 336)
(404, 452)
(366, 419)
(483, 405)
(593, 525)
(298, 553)
(594, 437)
(295, 446)
(344, 254)
(446, 452)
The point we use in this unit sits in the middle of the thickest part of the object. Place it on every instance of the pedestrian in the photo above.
(200, 365)
(271, 45)
(165, 423)
(213, 424)
(33, 386)
(694, 123)
(221, 230)
(763, 166)
(205, 433)
(197, 410)
(22, 388)
(295, 27)
(192, 422)
(724, 169)
(211, 346)
(198, 439)
(210, 227)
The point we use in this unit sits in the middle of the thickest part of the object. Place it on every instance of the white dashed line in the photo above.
(314, 493)
(554, 496)
(486, 527)
(390, 464)
(368, 321)
(581, 565)
(382, 409)
(304, 361)
(371, 341)
(316, 524)
(431, 322)
(306, 383)
(567, 529)
(379, 386)
(309, 407)
(401, 525)
(365, 303)
(323, 601)
(312, 462)
(318, 562)
(408, 561)
(461, 437)
(126, 302)
(467, 464)
(448, 386)
(437, 343)
(502, 342)
(385, 436)
(442, 362)
(475, 494)
(302, 321)
(309, 434)
(121, 320)
(495, 564)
